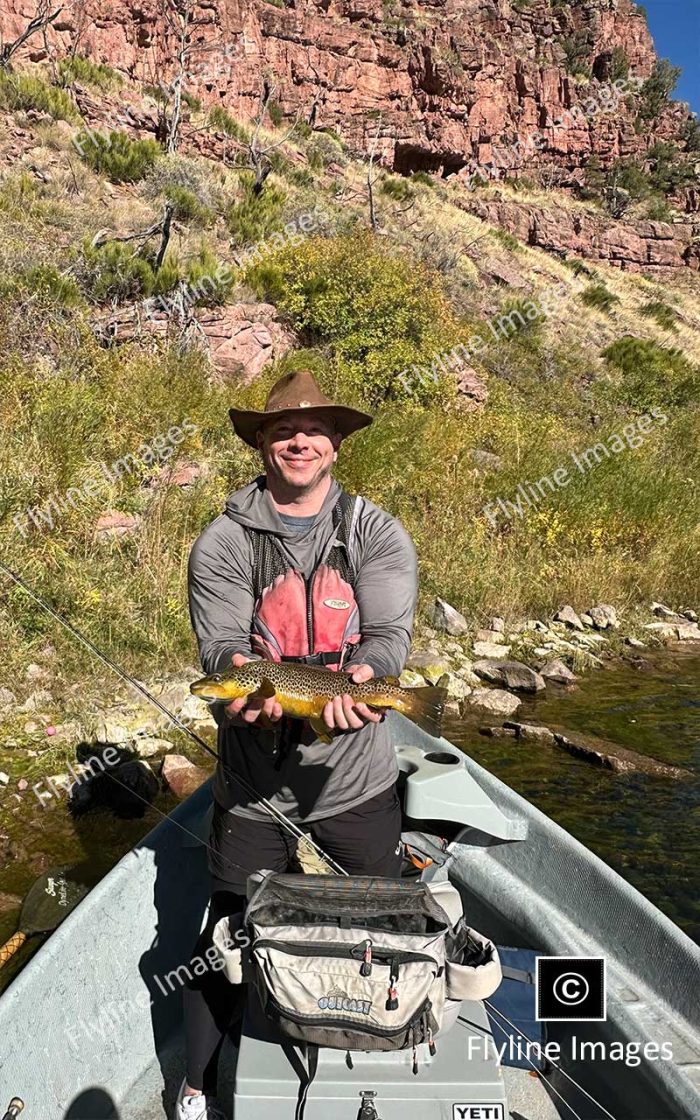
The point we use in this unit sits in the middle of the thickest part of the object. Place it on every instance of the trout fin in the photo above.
(322, 732)
(426, 708)
(265, 690)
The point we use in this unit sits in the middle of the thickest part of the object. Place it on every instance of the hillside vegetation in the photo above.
(614, 365)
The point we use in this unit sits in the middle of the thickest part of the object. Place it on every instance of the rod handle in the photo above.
(13, 1109)
(6, 951)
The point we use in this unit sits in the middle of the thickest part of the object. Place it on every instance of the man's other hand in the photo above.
(342, 713)
(265, 713)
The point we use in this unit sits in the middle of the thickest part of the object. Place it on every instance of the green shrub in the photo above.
(25, 91)
(76, 68)
(117, 156)
(619, 64)
(668, 173)
(576, 48)
(193, 103)
(254, 217)
(507, 240)
(649, 375)
(658, 209)
(275, 113)
(398, 189)
(690, 134)
(599, 297)
(324, 148)
(210, 278)
(378, 312)
(222, 121)
(116, 272)
(657, 89)
(664, 315)
(44, 283)
(187, 207)
(424, 178)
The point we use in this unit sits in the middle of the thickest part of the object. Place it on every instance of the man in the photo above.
(295, 569)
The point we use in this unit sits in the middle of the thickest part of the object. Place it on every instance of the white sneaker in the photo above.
(197, 1107)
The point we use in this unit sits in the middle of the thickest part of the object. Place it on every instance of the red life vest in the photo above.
(314, 620)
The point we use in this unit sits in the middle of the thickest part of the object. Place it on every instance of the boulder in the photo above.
(531, 732)
(498, 625)
(492, 700)
(430, 667)
(510, 674)
(662, 611)
(449, 620)
(604, 616)
(587, 621)
(635, 643)
(37, 700)
(457, 687)
(411, 679)
(243, 338)
(611, 756)
(558, 672)
(568, 616)
(491, 650)
(489, 636)
(113, 524)
(688, 631)
(7, 698)
(690, 615)
(146, 746)
(497, 732)
(181, 775)
(662, 629)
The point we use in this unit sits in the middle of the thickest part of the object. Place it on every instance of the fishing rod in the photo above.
(275, 813)
(13, 1109)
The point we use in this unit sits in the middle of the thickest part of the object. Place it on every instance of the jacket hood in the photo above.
(252, 507)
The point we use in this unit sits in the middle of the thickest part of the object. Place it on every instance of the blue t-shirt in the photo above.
(298, 525)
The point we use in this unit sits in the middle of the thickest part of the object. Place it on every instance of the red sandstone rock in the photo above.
(181, 775)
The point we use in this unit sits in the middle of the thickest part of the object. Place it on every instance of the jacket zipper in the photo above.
(310, 611)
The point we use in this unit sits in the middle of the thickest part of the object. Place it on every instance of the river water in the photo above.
(645, 828)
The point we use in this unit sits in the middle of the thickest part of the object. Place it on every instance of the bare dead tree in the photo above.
(259, 160)
(44, 16)
(176, 50)
(161, 227)
(371, 179)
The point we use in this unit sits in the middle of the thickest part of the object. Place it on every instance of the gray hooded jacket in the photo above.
(310, 780)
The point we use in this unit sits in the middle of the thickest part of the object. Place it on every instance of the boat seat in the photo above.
(439, 787)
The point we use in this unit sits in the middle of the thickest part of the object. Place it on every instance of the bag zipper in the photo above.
(335, 949)
(419, 1018)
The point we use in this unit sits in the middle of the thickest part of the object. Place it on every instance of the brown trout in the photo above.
(304, 690)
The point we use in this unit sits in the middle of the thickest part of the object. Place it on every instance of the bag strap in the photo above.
(310, 1073)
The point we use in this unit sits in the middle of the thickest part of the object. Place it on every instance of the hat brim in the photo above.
(347, 420)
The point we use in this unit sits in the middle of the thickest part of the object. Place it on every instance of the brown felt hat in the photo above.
(297, 392)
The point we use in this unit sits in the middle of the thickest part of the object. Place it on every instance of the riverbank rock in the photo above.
(492, 700)
(113, 524)
(449, 620)
(682, 631)
(147, 746)
(492, 650)
(511, 674)
(558, 672)
(457, 687)
(430, 666)
(7, 699)
(568, 616)
(611, 756)
(531, 732)
(604, 616)
(182, 776)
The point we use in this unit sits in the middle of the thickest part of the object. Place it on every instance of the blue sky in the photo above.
(675, 28)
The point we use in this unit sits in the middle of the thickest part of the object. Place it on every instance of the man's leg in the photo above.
(365, 840)
(240, 847)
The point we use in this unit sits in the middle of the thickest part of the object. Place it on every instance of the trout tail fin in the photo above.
(426, 708)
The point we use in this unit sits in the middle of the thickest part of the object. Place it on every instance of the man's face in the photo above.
(299, 449)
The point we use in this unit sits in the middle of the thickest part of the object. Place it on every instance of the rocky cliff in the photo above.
(444, 85)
